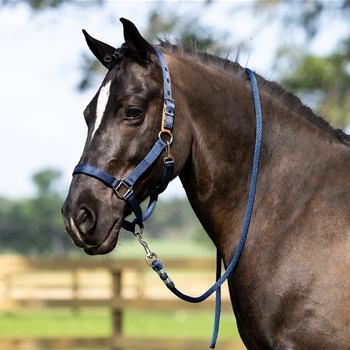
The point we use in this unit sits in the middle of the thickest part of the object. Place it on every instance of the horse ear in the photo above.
(103, 52)
(139, 47)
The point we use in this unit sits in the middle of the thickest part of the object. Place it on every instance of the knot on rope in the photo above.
(158, 267)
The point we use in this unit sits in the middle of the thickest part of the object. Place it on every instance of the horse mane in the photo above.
(234, 68)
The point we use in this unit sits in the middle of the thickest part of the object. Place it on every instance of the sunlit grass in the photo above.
(56, 323)
(165, 248)
(179, 324)
(98, 323)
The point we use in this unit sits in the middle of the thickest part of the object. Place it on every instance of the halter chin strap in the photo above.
(124, 188)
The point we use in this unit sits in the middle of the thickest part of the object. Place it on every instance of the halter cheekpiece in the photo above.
(124, 190)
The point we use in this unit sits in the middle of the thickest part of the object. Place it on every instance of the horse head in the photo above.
(124, 122)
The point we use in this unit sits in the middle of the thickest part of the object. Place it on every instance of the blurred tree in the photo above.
(326, 79)
(14, 222)
(34, 225)
(45, 182)
(322, 82)
(41, 5)
(46, 213)
(304, 14)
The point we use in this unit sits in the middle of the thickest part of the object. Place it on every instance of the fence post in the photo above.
(75, 288)
(117, 313)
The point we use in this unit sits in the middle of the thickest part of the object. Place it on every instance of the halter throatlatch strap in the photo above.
(124, 188)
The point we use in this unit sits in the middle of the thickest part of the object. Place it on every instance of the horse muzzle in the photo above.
(93, 220)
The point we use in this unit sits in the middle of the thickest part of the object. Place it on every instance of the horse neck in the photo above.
(221, 115)
(216, 177)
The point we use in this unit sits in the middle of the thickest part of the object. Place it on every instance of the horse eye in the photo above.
(134, 113)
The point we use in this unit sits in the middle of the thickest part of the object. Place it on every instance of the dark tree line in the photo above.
(33, 226)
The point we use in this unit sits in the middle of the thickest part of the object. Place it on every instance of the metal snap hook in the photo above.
(144, 244)
(150, 258)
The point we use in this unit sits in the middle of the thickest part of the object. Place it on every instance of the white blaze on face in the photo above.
(101, 105)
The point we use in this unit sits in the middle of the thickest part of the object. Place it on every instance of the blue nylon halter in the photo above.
(126, 185)
(151, 157)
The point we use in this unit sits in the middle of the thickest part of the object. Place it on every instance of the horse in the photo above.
(290, 288)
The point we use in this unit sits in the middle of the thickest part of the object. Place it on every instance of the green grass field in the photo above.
(97, 323)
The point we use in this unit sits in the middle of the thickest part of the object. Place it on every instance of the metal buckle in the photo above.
(118, 187)
(167, 112)
(166, 100)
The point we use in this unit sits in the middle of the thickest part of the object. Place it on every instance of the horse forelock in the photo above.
(233, 68)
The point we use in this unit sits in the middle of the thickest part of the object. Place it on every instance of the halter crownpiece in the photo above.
(124, 188)
(169, 105)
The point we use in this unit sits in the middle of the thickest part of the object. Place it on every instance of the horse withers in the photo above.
(290, 289)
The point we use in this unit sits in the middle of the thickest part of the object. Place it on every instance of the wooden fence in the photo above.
(125, 284)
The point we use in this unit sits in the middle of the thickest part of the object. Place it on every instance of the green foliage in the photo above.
(41, 5)
(327, 77)
(33, 226)
(322, 80)
(91, 69)
(304, 14)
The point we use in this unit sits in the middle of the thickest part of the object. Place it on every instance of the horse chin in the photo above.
(109, 243)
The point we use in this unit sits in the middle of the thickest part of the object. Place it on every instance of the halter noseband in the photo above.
(124, 188)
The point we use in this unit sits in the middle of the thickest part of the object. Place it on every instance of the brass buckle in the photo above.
(119, 186)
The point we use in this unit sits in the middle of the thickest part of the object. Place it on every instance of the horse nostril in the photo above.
(86, 220)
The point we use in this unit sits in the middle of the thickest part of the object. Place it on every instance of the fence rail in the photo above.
(118, 285)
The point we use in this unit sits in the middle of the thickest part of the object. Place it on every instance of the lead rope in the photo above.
(153, 260)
